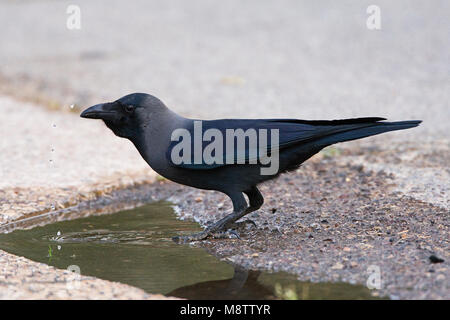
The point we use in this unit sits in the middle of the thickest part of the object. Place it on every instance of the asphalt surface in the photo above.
(312, 60)
(206, 59)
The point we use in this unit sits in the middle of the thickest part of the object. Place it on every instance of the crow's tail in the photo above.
(362, 131)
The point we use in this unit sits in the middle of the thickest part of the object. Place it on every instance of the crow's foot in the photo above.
(225, 228)
(228, 234)
(192, 237)
(208, 233)
(242, 225)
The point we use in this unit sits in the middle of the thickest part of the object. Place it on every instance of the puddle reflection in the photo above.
(135, 247)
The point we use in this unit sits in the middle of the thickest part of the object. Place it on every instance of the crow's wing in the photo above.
(290, 132)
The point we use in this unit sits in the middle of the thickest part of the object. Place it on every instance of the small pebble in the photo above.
(434, 259)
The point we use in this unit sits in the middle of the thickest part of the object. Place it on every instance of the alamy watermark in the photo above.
(73, 21)
(73, 280)
(236, 146)
(374, 279)
(373, 21)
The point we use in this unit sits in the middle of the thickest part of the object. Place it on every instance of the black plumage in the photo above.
(149, 124)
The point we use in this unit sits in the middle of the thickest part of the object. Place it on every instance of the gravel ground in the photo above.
(421, 169)
(330, 221)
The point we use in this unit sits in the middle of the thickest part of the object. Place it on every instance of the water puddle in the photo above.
(135, 247)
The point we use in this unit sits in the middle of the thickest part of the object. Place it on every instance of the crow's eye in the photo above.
(129, 108)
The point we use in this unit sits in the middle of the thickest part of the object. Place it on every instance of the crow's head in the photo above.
(128, 115)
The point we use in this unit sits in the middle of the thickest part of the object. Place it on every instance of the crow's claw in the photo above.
(243, 224)
(228, 234)
(192, 237)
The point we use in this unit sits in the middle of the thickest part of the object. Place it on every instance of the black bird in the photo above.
(150, 125)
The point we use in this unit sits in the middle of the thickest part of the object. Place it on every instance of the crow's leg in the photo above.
(256, 201)
(216, 230)
(240, 209)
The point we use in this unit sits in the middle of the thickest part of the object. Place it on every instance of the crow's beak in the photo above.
(99, 111)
